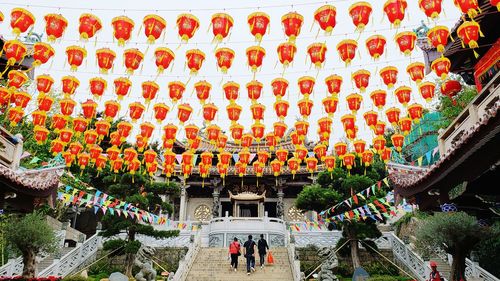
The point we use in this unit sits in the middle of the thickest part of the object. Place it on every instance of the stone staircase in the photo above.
(49, 260)
(212, 264)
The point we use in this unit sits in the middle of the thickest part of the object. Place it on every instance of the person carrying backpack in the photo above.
(262, 247)
(249, 253)
(234, 251)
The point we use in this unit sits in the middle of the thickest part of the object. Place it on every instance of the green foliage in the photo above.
(450, 110)
(379, 268)
(31, 233)
(317, 198)
(74, 278)
(132, 247)
(487, 251)
(343, 269)
(114, 244)
(406, 218)
(384, 278)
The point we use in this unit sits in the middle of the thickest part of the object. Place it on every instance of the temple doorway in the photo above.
(270, 208)
(248, 210)
(227, 207)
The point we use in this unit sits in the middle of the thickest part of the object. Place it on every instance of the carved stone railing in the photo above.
(473, 270)
(187, 262)
(405, 255)
(13, 267)
(75, 259)
(294, 261)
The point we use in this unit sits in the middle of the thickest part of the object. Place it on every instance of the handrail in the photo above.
(13, 267)
(73, 259)
(294, 263)
(187, 262)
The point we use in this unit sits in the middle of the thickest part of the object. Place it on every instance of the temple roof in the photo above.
(247, 196)
(34, 182)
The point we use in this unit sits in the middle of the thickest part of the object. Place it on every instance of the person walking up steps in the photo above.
(262, 247)
(234, 251)
(249, 254)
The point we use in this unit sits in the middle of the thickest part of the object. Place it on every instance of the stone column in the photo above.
(216, 202)
(182, 207)
(280, 206)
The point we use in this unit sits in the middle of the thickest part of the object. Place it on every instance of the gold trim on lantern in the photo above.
(156, 17)
(135, 51)
(347, 41)
(230, 83)
(258, 14)
(123, 18)
(224, 50)
(405, 33)
(376, 36)
(389, 2)
(316, 45)
(468, 24)
(77, 48)
(359, 4)
(195, 52)
(185, 107)
(165, 49)
(151, 83)
(15, 42)
(223, 15)
(324, 8)
(255, 48)
(48, 46)
(189, 16)
(354, 95)
(45, 76)
(411, 65)
(57, 16)
(105, 51)
(87, 15)
(2, 17)
(161, 105)
(279, 79)
(304, 78)
(124, 80)
(72, 78)
(137, 104)
(24, 11)
(177, 83)
(388, 68)
(292, 15)
(254, 83)
(361, 71)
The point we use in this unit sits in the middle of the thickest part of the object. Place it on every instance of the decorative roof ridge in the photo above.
(32, 179)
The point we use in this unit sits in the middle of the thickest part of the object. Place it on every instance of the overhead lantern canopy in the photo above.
(347, 50)
(122, 29)
(255, 56)
(286, 53)
(258, 23)
(469, 7)
(395, 11)
(194, 60)
(325, 17)
(105, 58)
(163, 58)
(55, 25)
(333, 83)
(75, 55)
(431, 8)
(221, 25)
(187, 25)
(292, 23)
(360, 13)
(280, 86)
(132, 59)
(42, 52)
(202, 89)
(21, 20)
(224, 58)
(406, 41)
(438, 37)
(89, 26)
(154, 26)
(469, 32)
(375, 45)
(317, 54)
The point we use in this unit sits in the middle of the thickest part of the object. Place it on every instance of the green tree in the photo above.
(332, 188)
(455, 232)
(451, 108)
(30, 235)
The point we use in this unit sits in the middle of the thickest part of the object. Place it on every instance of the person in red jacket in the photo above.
(234, 251)
(434, 276)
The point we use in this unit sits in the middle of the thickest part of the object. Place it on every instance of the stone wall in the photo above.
(193, 203)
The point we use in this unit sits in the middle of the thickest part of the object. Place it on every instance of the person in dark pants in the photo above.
(249, 253)
(234, 251)
(262, 247)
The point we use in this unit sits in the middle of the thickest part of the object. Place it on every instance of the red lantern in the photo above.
(263, 156)
(206, 158)
(194, 60)
(495, 3)
(102, 128)
(378, 97)
(170, 131)
(361, 79)
(258, 131)
(376, 45)
(122, 29)
(160, 111)
(395, 11)
(90, 137)
(221, 141)
(416, 71)
(296, 139)
(359, 146)
(154, 26)
(258, 23)
(405, 125)
(469, 7)
(5, 96)
(354, 102)
(233, 112)
(225, 158)
(202, 89)
(16, 79)
(149, 90)
(292, 22)
(115, 139)
(450, 88)
(281, 108)
(240, 169)
(305, 107)
(438, 37)
(21, 99)
(56, 147)
(306, 85)
(14, 51)
(55, 25)
(281, 155)
(379, 143)
(349, 160)
(301, 127)
(83, 160)
(367, 158)
(244, 157)
(254, 89)
(255, 56)
(191, 132)
(39, 118)
(176, 90)
(379, 128)
(397, 141)
(111, 109)
(67, 106)
(122, 87)
(333, 83)
(360, 13)
(69, 85)
(80, 125)
(129, 154)
(132, 59)
(187, 25)
(276, 167)
(469, 33)
(403, 94)
(325, 126)
(271, 141)
(40, 134)
(311, 164)
(117, 165)
(349, 122)
(406, 41)
(293, 165)
(340, 149)
(141, 142)
(325, 17)
(301, 153)
(21, 20)
(89, 26)
(317, 54)
(97, 86)
(330, 105)
(393, 115)
(231, 91)
(65, 135)
(134, 166)
(415, 111)
(45, 103)
(389, 75)
(386, 155)
(371, 118)
(44, 84)
(258, 168)
(280, 86)
(347, 50)
(431, 8)
(221, 25)
(224, 58)
(163, 58)
(42, 52)
(441, 66)
(94, 152)
(89, 108)
(135, 111)
(427, 89)
(105, 58)
(58, 122)
(320, 151)
(279, 130)
(184, 112)
(75, 56)
(257, 110)
(124, 128)
(236, 132)
(286, 53)
(209, 111)
(100, 162)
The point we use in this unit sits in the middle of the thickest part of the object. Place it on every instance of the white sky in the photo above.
(240, 39)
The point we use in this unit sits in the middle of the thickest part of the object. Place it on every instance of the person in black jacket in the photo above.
(262, 247)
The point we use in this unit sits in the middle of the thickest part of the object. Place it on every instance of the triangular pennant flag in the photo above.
(419, 161)
(361, 195)
(178, 157)
(252, 156)
(60, 195)
(111, 211)
(367, 210)
(355, 199)
(68, 188)
(428, 157)
(379, 216)
(195, 158)
(386, 181)
(236, 157)
(379, 185)
(310, 153)
(436, 150)
(104, 209)
(96, 209)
